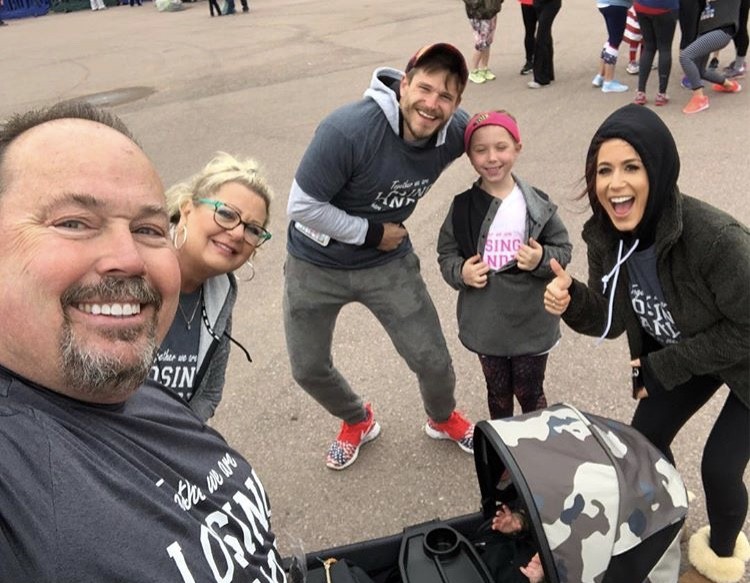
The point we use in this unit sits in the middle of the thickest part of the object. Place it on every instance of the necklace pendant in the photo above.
(189, 321)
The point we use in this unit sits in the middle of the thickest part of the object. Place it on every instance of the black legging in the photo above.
(725, 454)
(528, 13)
(544, 69)
(658, 32)
(690, 11)
(506, 376)
(741, 39)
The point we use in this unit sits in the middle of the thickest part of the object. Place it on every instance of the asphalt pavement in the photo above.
(257, 84)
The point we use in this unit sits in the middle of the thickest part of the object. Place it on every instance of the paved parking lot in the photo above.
(257, 84)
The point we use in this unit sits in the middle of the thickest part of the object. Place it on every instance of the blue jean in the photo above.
(396, 294)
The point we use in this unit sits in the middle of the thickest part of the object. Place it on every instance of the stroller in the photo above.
(603, 506)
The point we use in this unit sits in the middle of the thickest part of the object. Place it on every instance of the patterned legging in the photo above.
(694, 57)
(522, 376)
(484, 32)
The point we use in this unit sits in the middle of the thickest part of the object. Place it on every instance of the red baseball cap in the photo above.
(459, 66)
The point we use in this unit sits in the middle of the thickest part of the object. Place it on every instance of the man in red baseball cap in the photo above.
(368, 165)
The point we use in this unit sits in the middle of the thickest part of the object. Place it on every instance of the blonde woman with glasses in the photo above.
(219, 219)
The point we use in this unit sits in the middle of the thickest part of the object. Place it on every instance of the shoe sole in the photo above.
(371, 435)
(435, 434)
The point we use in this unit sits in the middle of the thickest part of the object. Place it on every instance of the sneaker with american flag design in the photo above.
(457, 428)
(344, 451)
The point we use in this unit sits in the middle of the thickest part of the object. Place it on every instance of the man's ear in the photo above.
(403, 84)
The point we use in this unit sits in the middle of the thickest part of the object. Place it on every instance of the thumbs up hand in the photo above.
(529, 256)
(557, 297)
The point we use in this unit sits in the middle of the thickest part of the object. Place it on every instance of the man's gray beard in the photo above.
(102, 375)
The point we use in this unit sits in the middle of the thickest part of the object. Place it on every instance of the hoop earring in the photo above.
(184, 238)
(250, 265)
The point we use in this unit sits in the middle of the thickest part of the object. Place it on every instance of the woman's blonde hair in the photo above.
(222, 169)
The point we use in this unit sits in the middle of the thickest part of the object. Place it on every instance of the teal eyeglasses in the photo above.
(228, 217)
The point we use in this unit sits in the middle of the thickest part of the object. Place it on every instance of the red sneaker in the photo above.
(733, 87)
(457, 428)
(697, 103)
(344, 451)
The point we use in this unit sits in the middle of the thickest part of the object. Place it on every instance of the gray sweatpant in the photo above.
(396, 294)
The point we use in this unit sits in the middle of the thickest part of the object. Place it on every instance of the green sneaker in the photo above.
(476, 76)
(488, 75)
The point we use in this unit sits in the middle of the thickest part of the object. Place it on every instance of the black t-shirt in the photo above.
(176, 360)
(647, 298)
(137, 492)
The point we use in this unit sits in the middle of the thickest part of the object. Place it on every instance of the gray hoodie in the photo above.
(357, 169)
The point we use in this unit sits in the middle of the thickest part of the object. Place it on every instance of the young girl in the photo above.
(482, 16)
(615, 14)
(634, 38)
(494, 248)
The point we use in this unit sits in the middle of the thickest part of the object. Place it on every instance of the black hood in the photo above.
(650, 137)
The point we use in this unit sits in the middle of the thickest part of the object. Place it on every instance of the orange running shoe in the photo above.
(697, 103)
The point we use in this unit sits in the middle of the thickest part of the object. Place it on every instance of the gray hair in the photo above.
(222, 169)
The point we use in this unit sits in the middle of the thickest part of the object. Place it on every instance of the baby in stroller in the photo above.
(510, 552)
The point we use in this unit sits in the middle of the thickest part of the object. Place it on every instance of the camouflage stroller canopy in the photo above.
(604, 505)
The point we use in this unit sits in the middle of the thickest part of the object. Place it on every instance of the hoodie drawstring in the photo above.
(614, 273)
(213, 334)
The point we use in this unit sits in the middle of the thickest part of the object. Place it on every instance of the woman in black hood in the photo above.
(673, 273)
